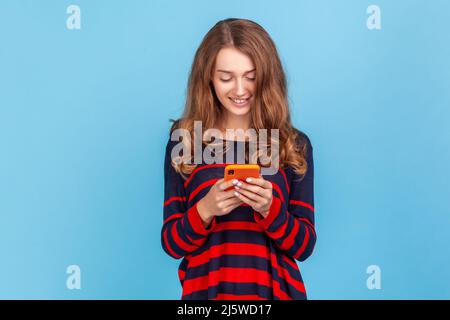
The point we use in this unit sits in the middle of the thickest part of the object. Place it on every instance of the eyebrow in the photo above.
(226, 71)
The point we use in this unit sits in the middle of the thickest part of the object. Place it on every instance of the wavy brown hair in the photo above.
(270, 109)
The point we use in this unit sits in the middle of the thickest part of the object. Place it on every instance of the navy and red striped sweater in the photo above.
(240, 255)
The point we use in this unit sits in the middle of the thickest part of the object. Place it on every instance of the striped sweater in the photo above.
(240, 255)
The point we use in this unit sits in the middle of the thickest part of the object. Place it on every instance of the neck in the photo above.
(233, 122)
(236, 122)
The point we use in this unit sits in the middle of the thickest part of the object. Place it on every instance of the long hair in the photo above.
(270, 109)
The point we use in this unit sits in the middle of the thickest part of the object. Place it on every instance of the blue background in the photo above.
(84, 122)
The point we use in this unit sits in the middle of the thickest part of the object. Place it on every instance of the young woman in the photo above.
(239, 239)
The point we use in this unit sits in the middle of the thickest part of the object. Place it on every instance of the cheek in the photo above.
(222, 89)
(252, 87)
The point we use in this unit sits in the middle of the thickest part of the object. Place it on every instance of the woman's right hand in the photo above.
(218, 201)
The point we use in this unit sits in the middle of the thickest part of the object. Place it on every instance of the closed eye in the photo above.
(227, 80)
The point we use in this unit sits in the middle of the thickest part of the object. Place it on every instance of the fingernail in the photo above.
(236, 194)
(235, 181)
(239, 184)
(249, 180)
(236, 187)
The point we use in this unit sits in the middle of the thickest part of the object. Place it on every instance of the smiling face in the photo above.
(234, 82)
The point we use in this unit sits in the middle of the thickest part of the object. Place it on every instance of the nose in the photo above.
(239, 88)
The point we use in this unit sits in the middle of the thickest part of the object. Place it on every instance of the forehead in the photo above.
(233, 60)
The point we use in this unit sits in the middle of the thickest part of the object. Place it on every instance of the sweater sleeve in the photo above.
(290, 222)
(182, 231)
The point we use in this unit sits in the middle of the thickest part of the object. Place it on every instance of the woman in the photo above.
(240, 243)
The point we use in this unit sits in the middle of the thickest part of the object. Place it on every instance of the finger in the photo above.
(259, 182)
(253, 196)
(225, 184)
(231, 202)
(253, 188)
(226, 195)
(246, 200)
(234, 206)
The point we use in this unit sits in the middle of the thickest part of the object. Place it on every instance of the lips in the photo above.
(239, 102)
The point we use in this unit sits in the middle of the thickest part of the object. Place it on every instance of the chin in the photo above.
(238, 111)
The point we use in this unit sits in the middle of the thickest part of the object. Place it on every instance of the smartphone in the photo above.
(241, 172)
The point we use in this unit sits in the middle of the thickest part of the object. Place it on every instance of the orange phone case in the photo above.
(241, 172)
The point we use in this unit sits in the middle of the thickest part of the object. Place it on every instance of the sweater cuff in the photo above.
(274, 211)
(196, 221)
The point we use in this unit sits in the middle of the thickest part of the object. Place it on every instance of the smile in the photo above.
(240, 102)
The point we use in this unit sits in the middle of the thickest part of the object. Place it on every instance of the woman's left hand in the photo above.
(256, 192)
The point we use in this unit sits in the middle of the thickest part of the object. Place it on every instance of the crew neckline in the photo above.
(233, 140)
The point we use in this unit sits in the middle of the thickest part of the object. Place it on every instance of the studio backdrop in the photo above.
(87, 89)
